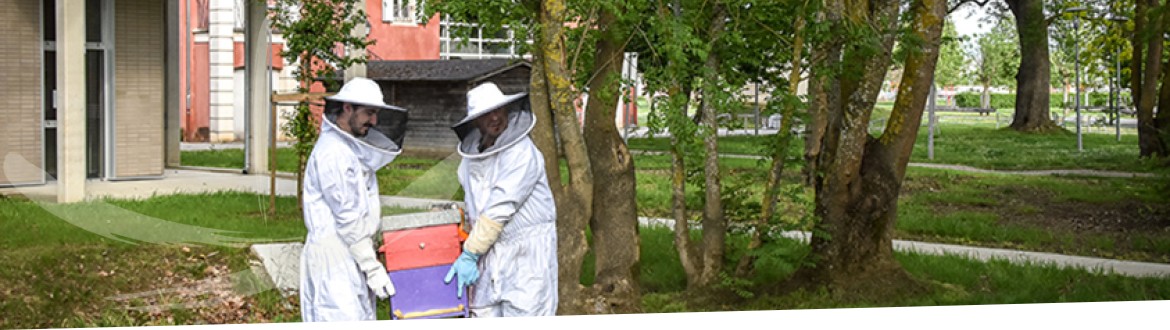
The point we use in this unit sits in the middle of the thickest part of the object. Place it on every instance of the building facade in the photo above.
(83, 80)
(93, 92)
(212, 71)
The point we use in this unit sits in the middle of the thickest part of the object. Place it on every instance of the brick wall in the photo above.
(21, 77)
(139, 72)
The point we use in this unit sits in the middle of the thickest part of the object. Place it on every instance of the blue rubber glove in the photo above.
(465, 267)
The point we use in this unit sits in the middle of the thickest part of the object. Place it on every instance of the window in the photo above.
(399, 11)
(478, 45)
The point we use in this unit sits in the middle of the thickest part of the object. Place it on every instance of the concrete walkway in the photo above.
(173, 181)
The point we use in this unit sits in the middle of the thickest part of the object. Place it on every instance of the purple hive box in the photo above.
(423, 295)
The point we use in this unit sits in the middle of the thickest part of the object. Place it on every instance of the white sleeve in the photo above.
(345, 193)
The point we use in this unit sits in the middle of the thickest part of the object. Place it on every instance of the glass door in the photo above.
(95, 62)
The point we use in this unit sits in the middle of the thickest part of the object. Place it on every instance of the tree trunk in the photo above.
(557, 122)
(615, 217)
(679, 126)
(687, 256)
(302, 154)
(860, 177)
(819, 89)
(714, 223)
(985, 97)
(783, 138)
(1145, 67)
(1162, 118)
(1034, 75)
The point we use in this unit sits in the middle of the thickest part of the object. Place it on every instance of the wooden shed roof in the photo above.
(439, 70)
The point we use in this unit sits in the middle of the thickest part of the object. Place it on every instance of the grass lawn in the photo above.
(61, 275)
(1103, 217)
(408, 176)
(981, 146)
(954, 281)
(1121, 218)
(286, 159)
(67, 272)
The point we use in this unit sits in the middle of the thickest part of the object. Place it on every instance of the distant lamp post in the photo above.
(1115, 100)
(1077, 68)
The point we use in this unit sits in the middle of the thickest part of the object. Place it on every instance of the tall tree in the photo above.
(859, 176)
(714, 222)
(1034, 74)
(593, 154)
(1146, 67)
(669, 42)
(796, 16)
(997, 53)
(313, 30)
(689, 50)
(615, 220)
(951, 58)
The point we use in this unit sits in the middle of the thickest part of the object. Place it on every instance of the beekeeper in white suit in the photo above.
(510, 255)
(340, 272)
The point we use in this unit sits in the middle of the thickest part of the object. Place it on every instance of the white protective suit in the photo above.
(507, 184)
(342, 214)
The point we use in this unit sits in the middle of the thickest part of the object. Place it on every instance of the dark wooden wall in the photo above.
(434, 106)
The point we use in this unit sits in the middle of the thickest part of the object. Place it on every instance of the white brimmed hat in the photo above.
(362, 91)
(485, 98)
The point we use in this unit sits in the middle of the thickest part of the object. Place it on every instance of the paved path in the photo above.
(173, 181)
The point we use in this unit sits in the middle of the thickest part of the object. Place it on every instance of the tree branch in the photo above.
(963, 2)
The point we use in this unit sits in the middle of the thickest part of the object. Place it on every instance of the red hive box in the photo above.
(419, 249)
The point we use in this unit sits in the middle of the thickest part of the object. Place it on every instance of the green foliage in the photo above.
(996, 55)
(302, 126)
(491, 18)
(951, 58)
(313, 30)
(739, 286)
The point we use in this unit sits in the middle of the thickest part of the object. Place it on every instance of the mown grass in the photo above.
(954, 281)
(966, 208)
(57, 273)
(409, 176)
(1054, 214)
(54, 275)
(980, 146)
(286, 159)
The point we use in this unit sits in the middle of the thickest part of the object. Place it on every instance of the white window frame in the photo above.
(449, 44)
(391, 12)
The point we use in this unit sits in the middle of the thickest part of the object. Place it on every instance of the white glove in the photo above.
(367, 261)
(381, 285)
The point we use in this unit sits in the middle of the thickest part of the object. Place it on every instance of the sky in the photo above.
(967, 20)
